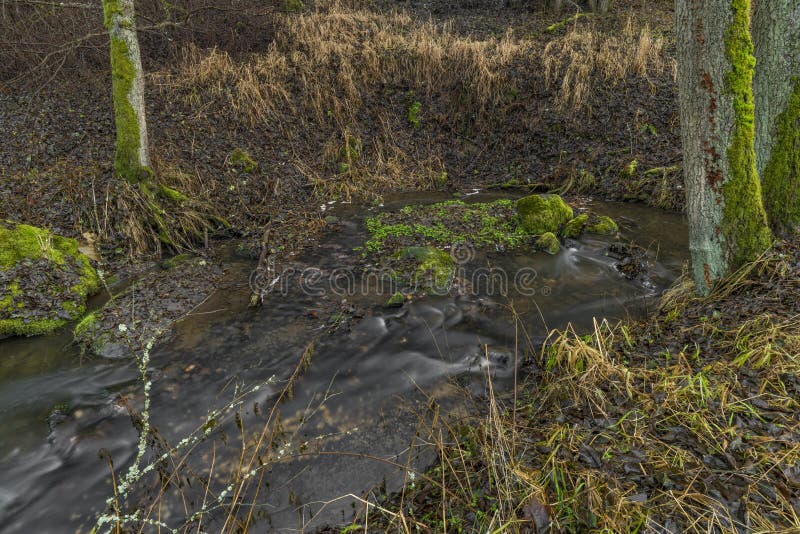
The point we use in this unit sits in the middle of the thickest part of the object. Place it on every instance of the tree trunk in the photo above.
(727, 222)
(131, 157)
(776, 87)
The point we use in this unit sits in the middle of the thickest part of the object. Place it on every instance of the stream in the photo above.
(373, 369)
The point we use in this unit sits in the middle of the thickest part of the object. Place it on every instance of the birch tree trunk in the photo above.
(131, 157)
(727, 222)
(776, 87)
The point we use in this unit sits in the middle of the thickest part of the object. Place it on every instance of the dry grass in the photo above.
(583, 58)
(325, 70)
(325, 62)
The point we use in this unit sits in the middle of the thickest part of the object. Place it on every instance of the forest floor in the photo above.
(686, 422)
(348, 102)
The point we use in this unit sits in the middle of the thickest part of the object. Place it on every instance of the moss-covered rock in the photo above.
(396, 300)
(429, 269)
(604, 225)
(540, 214)
(548, 242)
(574, 228)
(44, 280)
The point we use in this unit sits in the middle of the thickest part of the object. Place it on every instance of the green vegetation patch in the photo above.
(240, 158)
(447, 223)
(44, 280)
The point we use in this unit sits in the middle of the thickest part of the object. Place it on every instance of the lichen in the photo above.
(540, 214)
(548, 242)
(744, 222)
(574, 228)
(44, 280)
(241, 159)
(603, 226)
(781, 180)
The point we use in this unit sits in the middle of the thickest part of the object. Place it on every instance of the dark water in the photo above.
(371, 369)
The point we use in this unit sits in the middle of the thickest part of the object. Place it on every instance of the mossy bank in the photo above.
(44, 280)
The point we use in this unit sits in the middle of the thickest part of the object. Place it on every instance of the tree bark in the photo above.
(776, 87)
(131, 156)
(727, 222)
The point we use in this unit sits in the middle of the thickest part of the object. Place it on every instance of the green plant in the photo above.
(414, 110)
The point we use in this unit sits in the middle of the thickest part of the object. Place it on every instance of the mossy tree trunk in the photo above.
(727, 222)
(776, 87)
(131, 158)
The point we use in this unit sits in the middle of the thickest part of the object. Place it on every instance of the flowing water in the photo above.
(353, 408)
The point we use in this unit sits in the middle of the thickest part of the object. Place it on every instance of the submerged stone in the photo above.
(431, 269)
(574, 228)
(44, 280)
(604, 226)
(540, 214)
(548, 242)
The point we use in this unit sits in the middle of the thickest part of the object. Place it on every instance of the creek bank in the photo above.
(148, 306)
(686, 422)
(44, 280)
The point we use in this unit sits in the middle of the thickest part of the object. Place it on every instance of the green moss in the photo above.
(744, 222)
(629, 170)
(171, 194)
(85, 324)
(44, 254)
(434, 267)
(561, 24)
(126, 153)
(781, 178)
(574, 228)
(110, 9)
(604, 226)
(7, 302)
(175, 261)
(20, 327)
(548, 242)
(396, 300)
(540, 214)
(240, 158)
